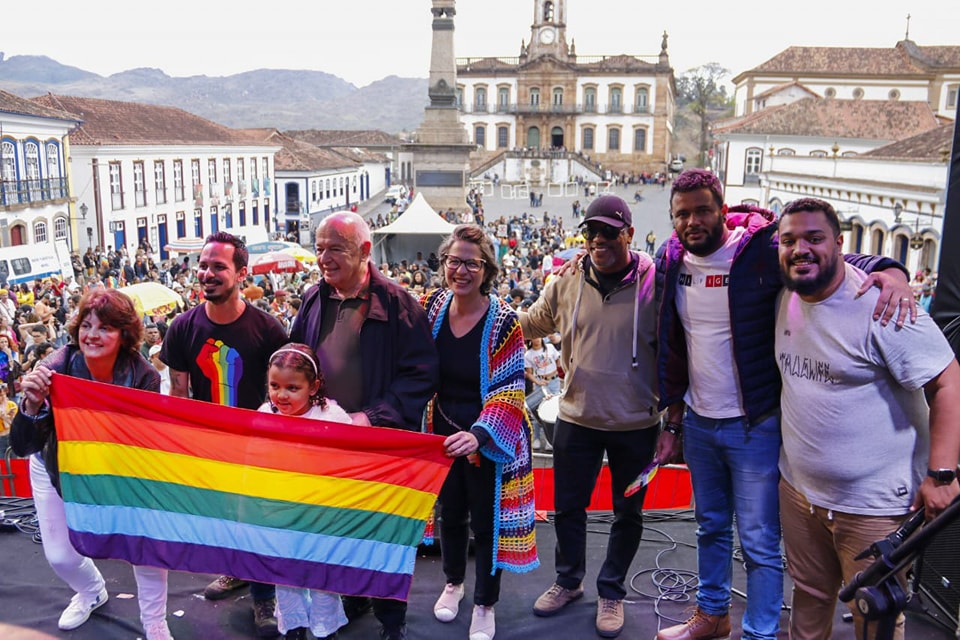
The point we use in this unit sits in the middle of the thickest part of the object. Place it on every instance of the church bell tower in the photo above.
(548, 33)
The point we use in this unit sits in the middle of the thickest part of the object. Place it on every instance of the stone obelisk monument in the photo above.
(441, 151)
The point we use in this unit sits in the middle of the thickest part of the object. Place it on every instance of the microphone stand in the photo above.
(878, 594)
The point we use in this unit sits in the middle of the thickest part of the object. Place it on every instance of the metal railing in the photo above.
(14, 192)
(520, 108)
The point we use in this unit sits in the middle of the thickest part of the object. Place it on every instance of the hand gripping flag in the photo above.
(186, 485)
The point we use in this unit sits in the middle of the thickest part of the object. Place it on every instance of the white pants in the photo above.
(319, 611)
(78, 571)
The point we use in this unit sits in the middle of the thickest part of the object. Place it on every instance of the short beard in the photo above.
(825, 274)
(712, 241)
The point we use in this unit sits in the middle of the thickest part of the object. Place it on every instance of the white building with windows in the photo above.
(907, 71)
(616, 109)
(313, 181)
(159, 174)
(892, 198)
(745, 148)
(35, 200)
(862, 128)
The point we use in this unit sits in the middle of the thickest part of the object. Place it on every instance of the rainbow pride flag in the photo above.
(190, 486)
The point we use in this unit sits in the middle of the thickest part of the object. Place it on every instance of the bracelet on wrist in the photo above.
(674, 428)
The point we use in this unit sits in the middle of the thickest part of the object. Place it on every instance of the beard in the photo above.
(804, 286)
(711, 241)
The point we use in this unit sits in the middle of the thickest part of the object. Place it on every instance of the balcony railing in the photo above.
(563, 109)
(14, 192)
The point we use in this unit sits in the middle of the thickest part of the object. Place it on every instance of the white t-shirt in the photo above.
(703, 303)
(333, 412)
(855, 422)
(543, 362)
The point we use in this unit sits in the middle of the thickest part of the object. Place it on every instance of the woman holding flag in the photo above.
(105, 336)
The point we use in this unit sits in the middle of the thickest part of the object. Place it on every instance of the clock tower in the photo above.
(548, 31)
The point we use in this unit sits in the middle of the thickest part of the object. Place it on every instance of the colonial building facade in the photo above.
(617, 110)
(159, 174)
(317, 174)
(860, 127)
(34, 184)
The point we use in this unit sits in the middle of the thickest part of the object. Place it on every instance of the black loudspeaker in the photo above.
(937, 572)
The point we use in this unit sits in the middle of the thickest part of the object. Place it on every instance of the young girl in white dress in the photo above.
(295, 388)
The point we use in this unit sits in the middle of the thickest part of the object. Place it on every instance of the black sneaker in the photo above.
(264, 618)
(300, 633)
(223, 587)
(393, 633)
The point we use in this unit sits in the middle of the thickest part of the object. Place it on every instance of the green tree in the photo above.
(701, 91)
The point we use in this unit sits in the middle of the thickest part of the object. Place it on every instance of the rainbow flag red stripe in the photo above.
(191, 486)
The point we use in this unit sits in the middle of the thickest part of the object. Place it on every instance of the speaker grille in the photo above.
(938, 571)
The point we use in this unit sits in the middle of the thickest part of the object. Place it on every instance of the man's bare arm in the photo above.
(179, 383)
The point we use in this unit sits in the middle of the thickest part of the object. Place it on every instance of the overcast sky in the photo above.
(364, 40)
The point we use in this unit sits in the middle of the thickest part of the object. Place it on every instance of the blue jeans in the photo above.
(733, 470)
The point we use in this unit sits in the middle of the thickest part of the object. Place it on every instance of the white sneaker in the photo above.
(483, 625)
(157, 631)
(448, 604)
(79, 610)
(536, 443)
(548, 447)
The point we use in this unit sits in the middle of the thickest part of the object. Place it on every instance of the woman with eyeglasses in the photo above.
(480, 409)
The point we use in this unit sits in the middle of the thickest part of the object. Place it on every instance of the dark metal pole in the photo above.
(945, 308)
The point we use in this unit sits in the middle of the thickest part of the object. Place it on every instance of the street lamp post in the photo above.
(83, 215)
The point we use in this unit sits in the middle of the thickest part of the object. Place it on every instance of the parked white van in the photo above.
(27, 262)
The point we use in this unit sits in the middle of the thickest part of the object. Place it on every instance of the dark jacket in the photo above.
(37, 434)
(400, 365)
(755, 283)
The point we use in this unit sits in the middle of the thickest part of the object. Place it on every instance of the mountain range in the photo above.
(280, 98)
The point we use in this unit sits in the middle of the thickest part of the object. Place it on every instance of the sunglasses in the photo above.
(605, 230)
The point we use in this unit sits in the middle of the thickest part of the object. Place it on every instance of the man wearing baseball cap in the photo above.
(607, 321)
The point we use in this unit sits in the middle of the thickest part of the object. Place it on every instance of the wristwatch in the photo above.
(943, 476)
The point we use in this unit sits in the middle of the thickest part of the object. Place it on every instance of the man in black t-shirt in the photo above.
(220, 350)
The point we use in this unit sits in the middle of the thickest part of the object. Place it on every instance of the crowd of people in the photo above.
(714, 352)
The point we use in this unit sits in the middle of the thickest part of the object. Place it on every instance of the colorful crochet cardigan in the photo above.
(505, 418)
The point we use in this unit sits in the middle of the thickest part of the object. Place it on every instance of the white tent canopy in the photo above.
(419, 228)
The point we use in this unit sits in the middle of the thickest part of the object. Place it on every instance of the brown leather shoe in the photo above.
(700, 626)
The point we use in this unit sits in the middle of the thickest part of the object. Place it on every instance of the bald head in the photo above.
(348, 225)
(343, 249)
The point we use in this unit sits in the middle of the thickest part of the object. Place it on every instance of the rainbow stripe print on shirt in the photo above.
(186, 485)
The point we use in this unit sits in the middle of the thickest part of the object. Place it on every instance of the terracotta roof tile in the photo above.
(905, 59)
(12, 104)
(296, 155)
(618, 63)
(345, 138)
(110, 122)
(929, 145)
(865, 119)
(840, 61)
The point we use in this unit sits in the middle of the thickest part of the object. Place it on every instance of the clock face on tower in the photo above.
(547, 36)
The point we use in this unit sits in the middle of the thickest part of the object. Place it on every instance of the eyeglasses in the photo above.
(600, 229)
(453, 263)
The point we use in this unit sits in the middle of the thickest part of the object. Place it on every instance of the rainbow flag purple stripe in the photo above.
(184, 485)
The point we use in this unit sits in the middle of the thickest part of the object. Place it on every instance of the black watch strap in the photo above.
(943, 476)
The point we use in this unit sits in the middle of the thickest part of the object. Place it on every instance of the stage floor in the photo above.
(32, 597)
